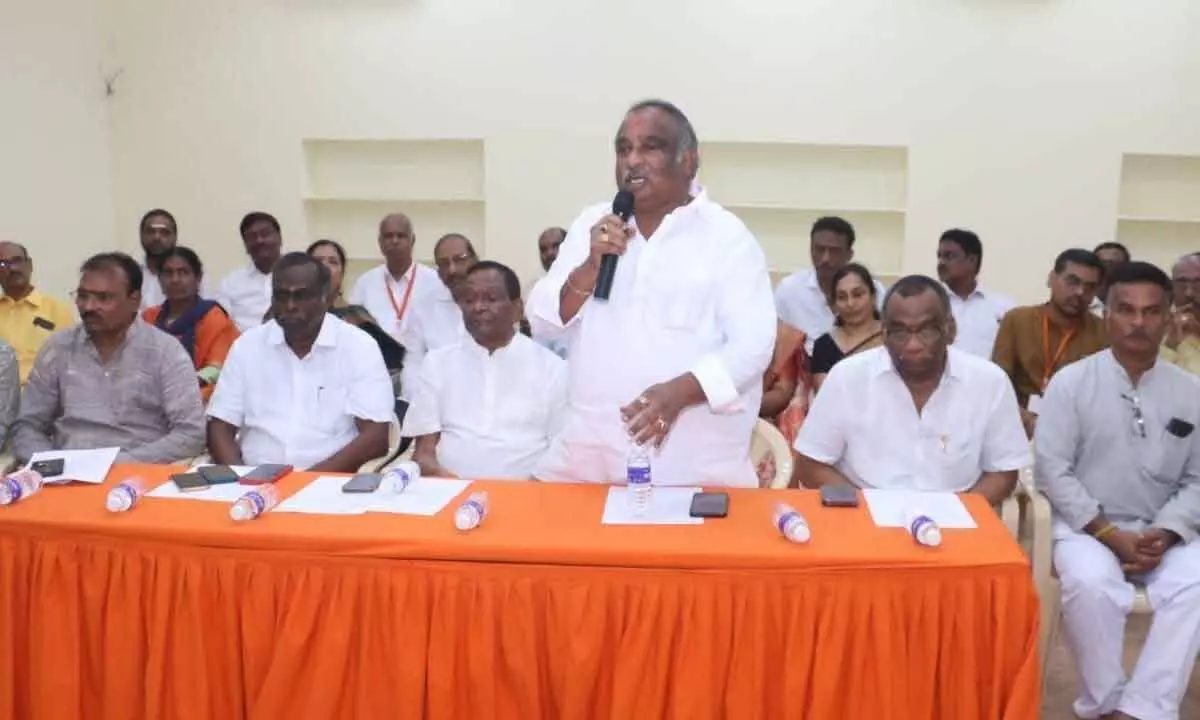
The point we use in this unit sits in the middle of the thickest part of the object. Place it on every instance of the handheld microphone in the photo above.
(622, 207)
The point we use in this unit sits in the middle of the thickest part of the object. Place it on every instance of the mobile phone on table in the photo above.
(218, 474)
(709, 504)
(363, 483)
(190, 482)
(265, 474)
(49, 468)
(839, 496)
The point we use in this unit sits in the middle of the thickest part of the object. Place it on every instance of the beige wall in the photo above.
(1014, 114)
(55, 175)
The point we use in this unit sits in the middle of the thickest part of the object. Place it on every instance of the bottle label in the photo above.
(258, 501)
(14, 488)
(919, 523)
(476, 506)
(784, 519)
(128, 491)
(637, 475)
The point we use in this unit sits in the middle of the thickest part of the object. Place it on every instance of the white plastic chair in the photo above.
(767, 440)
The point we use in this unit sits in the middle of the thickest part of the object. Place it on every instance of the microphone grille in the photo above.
(623, 204)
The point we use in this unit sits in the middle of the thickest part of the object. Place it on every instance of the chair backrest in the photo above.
(767, 440)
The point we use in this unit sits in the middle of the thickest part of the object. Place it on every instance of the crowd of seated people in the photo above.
(931, 384)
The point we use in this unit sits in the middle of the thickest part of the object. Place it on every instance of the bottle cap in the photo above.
(240, 511)
(115, 502)
(463, 519)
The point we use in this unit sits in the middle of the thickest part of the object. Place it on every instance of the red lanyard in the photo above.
(400, 309)
(1052, 362)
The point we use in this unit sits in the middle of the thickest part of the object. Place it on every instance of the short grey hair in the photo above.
(912, 285)
(685, 134)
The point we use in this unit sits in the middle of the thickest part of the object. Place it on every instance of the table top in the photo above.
(528, 522)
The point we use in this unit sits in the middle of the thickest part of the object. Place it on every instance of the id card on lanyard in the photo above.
(401, 309)
(1052, 361)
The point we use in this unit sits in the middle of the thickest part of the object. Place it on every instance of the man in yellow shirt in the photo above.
(27, 317)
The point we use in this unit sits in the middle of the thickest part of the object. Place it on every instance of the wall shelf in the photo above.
(1158, 207)
(353, 183)
(780, 189)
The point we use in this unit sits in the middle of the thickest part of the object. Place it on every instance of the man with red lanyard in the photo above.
(399, 288)
(1036, 341)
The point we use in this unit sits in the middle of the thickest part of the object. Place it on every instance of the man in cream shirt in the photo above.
(1118, 456)
(915, 414)
(305, 389)
(489, 404)
(674, 358)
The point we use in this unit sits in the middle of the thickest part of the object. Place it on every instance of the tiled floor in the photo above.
(1060, 682)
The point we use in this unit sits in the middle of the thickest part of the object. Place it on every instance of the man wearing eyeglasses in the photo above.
(915, 414)
(1118, 456)
(28, 317)
(1036, 341)
(112, 380)
(1182, 343)
(305, 388)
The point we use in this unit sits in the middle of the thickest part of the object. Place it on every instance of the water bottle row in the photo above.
(22, 484)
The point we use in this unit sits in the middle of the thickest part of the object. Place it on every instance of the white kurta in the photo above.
(695, 297)
(496, 413)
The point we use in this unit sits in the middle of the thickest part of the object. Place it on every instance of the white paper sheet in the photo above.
(324, 496)
(944, 508)
(89, 466)
(668, 506)
(424, 496)
(225, 492)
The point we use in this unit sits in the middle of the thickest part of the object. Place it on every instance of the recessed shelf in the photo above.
(355, 223)
(784, 236)
(399, 169)
(1159, 242)
(1158, 220)
(1159, 186)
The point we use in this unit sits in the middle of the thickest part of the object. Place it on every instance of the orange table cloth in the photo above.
(173, 611)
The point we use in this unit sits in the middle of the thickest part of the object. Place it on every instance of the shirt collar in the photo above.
(1108, 358)
(480, 351)
(977, 292)
(327, 337)
(33, 299)
(882, 364)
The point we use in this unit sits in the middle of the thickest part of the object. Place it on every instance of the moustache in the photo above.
(1139, 333)
(89, 316)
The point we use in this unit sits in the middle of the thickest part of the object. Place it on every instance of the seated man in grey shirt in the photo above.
(112, 380)
(10, 390)
(1118, 456)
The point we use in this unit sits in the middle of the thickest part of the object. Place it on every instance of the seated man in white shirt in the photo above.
(304, 389)
(915, 414)
(245, 293)
(977, 312)
(1118, 456)
(439, 322)
(488, 405)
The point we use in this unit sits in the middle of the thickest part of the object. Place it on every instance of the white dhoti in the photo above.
(1097, 599)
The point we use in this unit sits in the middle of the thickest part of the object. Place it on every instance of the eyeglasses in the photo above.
(927, 335)
(1139, 420)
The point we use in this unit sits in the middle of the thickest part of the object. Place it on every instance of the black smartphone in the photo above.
(49, 468)
(265, 474)
(1180, 428)
(363, 483)
(189, 482)
(709, 504)
(839, 496)
(218, 474)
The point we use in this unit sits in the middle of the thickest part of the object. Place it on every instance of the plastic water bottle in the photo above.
(791, 523)
(254, 503)
(923, 529)
(401, 476)
(471, 513)
(638, 479)
(125, 495)
(19, 485)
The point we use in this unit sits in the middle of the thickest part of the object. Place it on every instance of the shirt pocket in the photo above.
(139, 397)
(330, 408)
(684, 306)
(1168, 456)
(956, 457)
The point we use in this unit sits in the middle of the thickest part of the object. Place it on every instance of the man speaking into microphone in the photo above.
(673, 358)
